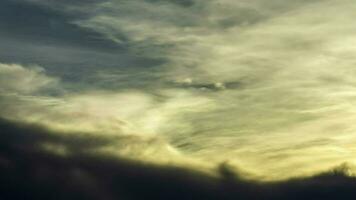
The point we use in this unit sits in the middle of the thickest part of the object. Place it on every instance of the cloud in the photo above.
(277, 51)
(31, 172)
(45, 35)
(17, 79)
(250, 82)
(44, 25)
(135, 120)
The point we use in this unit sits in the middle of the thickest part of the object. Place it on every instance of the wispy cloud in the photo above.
(246, 81)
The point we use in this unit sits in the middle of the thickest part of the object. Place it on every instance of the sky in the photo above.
(187, 83)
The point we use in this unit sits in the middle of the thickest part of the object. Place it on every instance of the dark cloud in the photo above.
(185, 3)
(29, 138)
(28, 172)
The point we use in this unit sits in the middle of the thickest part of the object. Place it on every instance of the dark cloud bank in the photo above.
(27, 172)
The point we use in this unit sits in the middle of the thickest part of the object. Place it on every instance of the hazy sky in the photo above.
(188, 82)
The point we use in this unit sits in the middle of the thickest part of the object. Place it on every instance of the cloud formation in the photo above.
(32, 172)
(205, 82)
(19, 80)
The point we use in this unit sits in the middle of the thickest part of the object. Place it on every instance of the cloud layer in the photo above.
(29, 171)
(191, 82)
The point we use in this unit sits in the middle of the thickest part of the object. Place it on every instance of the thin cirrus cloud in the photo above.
(131, 119)
(247, 82)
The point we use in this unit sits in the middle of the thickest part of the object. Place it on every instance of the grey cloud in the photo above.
(186, 3)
